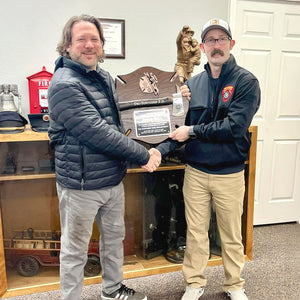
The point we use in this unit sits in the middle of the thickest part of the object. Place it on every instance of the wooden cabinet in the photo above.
(28, 200)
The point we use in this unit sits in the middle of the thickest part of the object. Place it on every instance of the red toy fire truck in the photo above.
(30, 249)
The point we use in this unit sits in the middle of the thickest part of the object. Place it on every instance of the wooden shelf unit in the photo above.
(27, 191)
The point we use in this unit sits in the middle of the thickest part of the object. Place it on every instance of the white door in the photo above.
(267, 35)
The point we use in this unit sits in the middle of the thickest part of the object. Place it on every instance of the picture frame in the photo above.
(114, 34)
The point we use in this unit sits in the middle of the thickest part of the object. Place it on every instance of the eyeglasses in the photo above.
(222, 41)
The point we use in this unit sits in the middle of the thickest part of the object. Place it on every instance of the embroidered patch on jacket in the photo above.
(227, 92)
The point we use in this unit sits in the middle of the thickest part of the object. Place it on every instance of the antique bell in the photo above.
(7, 103)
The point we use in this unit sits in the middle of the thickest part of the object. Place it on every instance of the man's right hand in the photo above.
(154, 160)
(185, 92)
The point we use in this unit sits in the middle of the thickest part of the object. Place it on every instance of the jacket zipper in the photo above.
(82, 167)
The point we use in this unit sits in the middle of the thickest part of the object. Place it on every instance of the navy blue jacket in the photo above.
(221, 111)
(85, 130)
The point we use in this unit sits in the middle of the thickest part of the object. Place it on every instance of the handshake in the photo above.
(154, 160)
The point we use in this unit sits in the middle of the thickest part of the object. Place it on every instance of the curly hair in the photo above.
(66, 39)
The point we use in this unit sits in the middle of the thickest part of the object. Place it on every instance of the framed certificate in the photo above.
(114, 34)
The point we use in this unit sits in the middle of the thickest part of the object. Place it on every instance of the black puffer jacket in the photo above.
(85, 130)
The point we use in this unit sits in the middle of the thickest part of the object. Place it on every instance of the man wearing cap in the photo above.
(223, 100)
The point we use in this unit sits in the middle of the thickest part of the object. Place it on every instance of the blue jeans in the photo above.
(78, 210)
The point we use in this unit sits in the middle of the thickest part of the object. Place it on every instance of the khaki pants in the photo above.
(227, 192)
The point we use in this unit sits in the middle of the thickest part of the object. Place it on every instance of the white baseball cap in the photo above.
(215, 24)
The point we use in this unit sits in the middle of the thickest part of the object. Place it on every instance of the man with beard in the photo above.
(223, 101)
(91, 151)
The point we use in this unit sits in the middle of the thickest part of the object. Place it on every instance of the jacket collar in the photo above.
(63, 61)
(227, 67)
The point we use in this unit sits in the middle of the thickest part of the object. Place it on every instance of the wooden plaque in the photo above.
(148, 110)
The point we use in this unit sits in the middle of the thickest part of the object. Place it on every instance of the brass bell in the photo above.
(7, 101)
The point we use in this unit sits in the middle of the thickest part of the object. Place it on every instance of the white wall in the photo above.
(31, 29)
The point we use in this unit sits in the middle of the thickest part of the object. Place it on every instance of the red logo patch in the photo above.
(227, 92)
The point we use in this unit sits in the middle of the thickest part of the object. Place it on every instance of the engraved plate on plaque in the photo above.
(152, 122)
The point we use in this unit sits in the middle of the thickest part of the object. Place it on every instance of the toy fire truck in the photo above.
(30, 249)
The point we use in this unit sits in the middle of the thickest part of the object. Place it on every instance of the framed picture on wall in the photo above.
(114, 34)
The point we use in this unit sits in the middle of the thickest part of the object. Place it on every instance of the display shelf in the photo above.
(27, 136)
(26, 177)
(162, 168)
(30, 199)
(134, 266)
